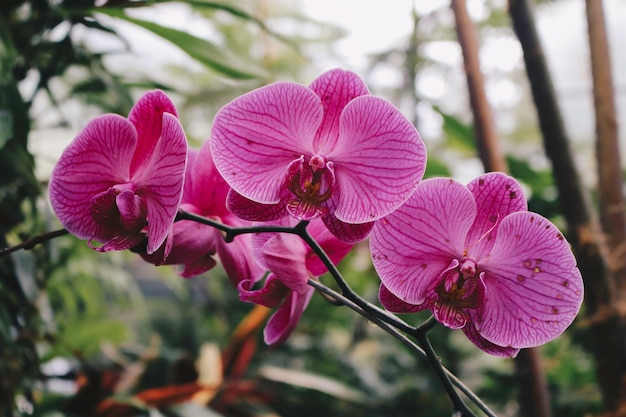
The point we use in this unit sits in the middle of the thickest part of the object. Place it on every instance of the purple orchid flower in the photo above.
(480, 261)
(330, 150)
(194, 244)
(122, 178)
(291, 263)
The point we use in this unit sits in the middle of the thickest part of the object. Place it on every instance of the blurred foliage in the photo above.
(118, 337)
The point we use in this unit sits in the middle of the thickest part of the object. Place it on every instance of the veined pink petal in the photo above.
(285, 255)
(246, 209)
(286, 318)
(198, 266)
(533, 287)
(237, 260)
(124, 240)
(348, 232)
(147, 117)
(334, 248)
(413, 245)
(192, 240)
(394, 304)
(379, 160)
(256, 136)
(271, 295)
(132, 211)
(162, 181)
(97, 159)
(335, 88)
(208, 188)
(485, 345)
(188, 186)
(496, 195)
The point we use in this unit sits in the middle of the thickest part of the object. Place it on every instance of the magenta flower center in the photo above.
(120, 208)
(458, 290)
(312, 185)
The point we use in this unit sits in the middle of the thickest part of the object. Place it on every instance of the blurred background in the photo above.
(88, 334)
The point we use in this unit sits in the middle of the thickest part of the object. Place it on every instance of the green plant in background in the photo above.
(41, 54)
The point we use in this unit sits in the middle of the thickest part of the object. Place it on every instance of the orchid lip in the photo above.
(307, 183)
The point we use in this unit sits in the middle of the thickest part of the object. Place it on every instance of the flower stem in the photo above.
(34, 241)
(342, 300)
(427, 325)
(388, 322)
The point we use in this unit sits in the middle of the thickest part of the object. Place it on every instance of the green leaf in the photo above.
(436, 168)
(87, 336)
(6, 127)
(199, 49)
(458, 134)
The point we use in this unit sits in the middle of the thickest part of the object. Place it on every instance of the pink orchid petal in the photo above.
(348, 232)
(533, 287)
(333, 247)
(256, 136)
(247, 209)
(394, 304)
(132, 211)
(192, 240)
(412, 246)
(285, 255)
(286, 318)
(237, 260)
(449, 316)
(198, 266)
(208, 188)
(147, 117)
(335, 88)
(270, 295)
(485, 345)
(96, 160)
(104, 208)
(122, 241)
(379, 160)
(162, 181)
(496, 195)
(188, 186)
(260, 239)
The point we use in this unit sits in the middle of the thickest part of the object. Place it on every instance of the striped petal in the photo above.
(286, 318)
(485, 345)
(147, 117)
(413, 246)
(335, 88)
(256, 136)
(496, 195)
(162, 181)
(379, 160)
(96, 160)
(533, 289)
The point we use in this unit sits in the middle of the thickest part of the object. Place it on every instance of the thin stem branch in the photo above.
(384, 319)
(32, 242)
(342, 300)
(349, 293)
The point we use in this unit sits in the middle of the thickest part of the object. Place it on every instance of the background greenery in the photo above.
(87, 334)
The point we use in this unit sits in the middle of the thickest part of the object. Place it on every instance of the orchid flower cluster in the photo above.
(346, 166)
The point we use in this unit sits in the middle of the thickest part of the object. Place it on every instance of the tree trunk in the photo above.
(608, 159)
(484, 126)
(534, 397)
(583, 228)
(609, 166)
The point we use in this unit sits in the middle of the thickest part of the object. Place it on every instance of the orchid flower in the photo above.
(291, 263)
(330, 150)
(194, 244)
(480, 262)
(121, 179)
